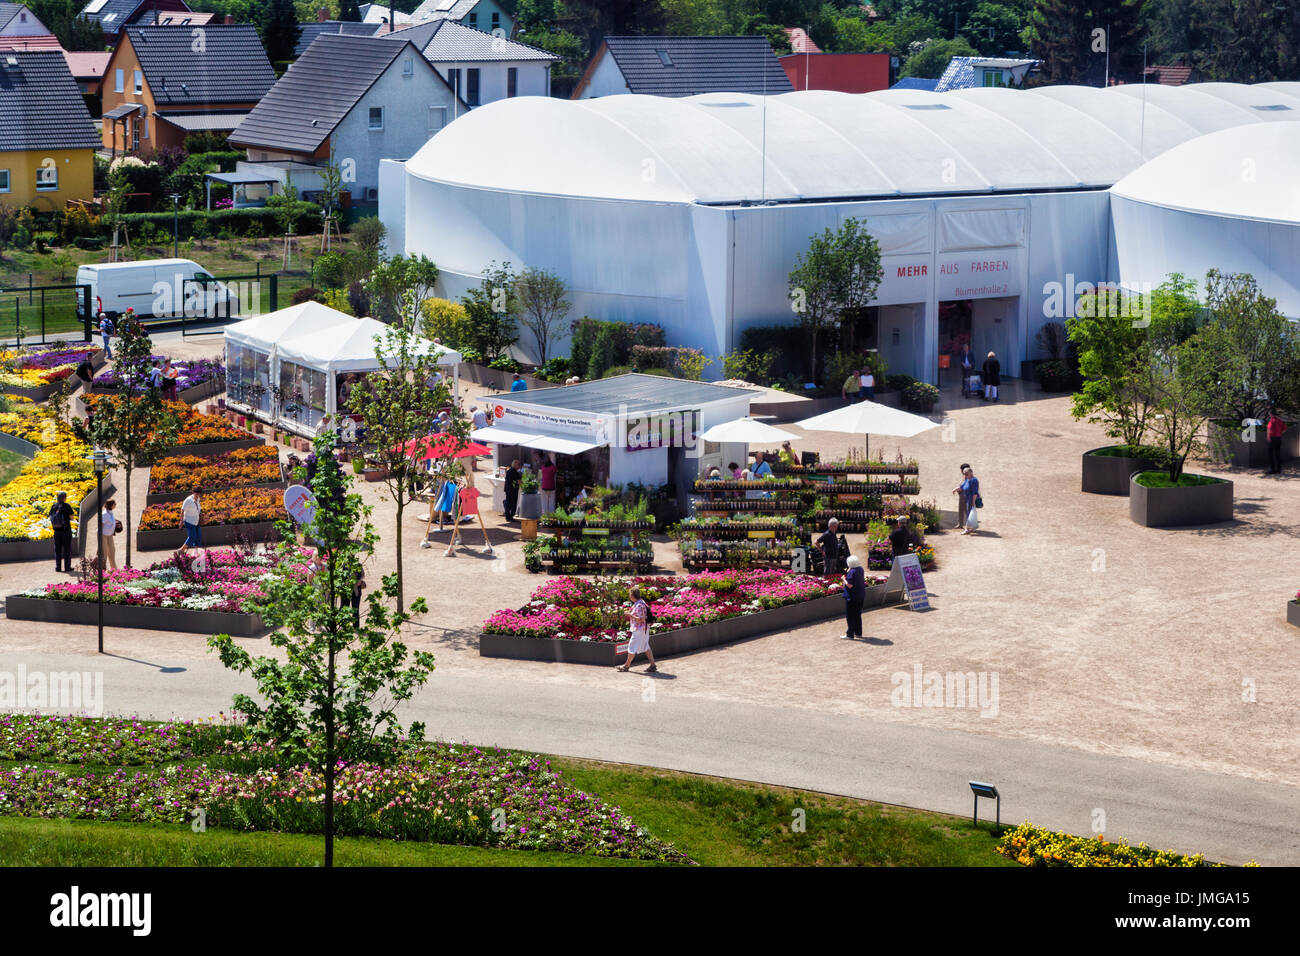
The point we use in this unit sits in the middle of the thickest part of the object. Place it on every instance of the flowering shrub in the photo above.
(192, 372)
(234, 469)
(233, 583)
(584, 610)
(194, 428)
(232, 506)
(36, 367)
(1036, 846)
(444, 793)
(62, 464)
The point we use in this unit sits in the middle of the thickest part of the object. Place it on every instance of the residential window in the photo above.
(496, 22)
(135, 134)
(376, 117)
(139, 82)
(664, 58)
(512, 81)
(4, 180)
(437, 118)
(453, 80)
(473, 21)
(47, 178)
(408, 67)
(471, 87)
(992, 77)
(119, 80)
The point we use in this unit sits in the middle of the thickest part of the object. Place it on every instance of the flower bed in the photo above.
(232, 506)
(1032, 845)
(60, 463)
(173, 478)
(439, 793)
(197, 433)
(198, 378)
(36, 368)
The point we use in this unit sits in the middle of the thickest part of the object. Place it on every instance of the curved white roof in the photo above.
(1247, 172)
(828, 145)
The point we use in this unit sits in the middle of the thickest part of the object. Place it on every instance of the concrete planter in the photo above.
(43, 392)
(1293, 613)
(36, 550)
(1225, 445)
(190, 396)
(1107, 475)
(19, 608)
(170, 539)
(168, 497)
(213, 448)
(1179, 507)
(681, 641)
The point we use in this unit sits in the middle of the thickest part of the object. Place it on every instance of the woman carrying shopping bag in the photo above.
(970, 490)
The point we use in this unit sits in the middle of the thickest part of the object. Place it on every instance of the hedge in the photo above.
(235, 221)
(613, 348)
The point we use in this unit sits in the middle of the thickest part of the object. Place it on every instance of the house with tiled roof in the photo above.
(480, 67)
(87, 70)
(1171, 74)
(18, 21)
(47, 138)
(486, 15)
(970, 72)
(308, 32)
(164, 83)
(114, 16)
(682, 66)
(357, 99)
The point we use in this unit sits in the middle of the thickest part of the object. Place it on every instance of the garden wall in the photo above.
(170, 539)
(19, 608)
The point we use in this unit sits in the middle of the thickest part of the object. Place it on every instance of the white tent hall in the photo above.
(314, 354)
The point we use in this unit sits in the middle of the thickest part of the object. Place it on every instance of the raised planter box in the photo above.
(19, 608)
(170, 539)
(1293, 613)
(1107, 475)
(195, 393)
(681, 641)
(36, 550)
(1179, 507)
(213, 448)
(43, 392)
(1225, 445)
(168, 497)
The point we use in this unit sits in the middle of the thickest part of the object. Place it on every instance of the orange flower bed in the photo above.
(236, 469)
(234, 506)
(194, 428)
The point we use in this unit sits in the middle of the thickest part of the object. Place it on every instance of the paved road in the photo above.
(1227, 818)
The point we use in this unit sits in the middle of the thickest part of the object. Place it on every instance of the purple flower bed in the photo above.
(71, 355)
(196, 372)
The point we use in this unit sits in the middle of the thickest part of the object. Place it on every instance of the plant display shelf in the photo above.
(773, 506)
(741, 529)
(865, 469)
(597, 562)
(569, 553)
(734, 557)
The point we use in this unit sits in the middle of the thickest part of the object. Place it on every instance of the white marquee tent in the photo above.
(311, 351)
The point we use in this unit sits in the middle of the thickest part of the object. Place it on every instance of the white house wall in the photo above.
(406, 101)
(533, 78)
(606, 79)
(392, 205)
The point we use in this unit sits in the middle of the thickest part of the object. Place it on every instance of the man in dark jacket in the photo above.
(829, 545)
(513, 475)
(900, 539)
(992, 378)
(61, 515)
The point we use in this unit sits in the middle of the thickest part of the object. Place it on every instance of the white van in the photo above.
(158, 288)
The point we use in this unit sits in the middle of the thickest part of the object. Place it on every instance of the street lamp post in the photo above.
(100, 460)
(176, 225)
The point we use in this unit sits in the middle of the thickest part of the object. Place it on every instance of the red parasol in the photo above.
(442, 446)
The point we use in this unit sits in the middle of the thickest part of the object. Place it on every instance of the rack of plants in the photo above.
(191, 395)
(681, 641)
(170, 539)
(19, 608)
(1179, 507)
(1109, 474)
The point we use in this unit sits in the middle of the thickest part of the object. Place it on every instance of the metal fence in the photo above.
(44, 313)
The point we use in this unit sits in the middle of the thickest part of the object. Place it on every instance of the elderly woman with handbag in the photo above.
(970, 490)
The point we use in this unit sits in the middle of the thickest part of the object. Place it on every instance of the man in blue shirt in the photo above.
(518, 385)
(761, 468)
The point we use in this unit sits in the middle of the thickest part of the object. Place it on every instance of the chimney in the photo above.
(322, 14)
(230, 19)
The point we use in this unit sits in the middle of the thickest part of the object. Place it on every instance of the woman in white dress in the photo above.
(640, 643)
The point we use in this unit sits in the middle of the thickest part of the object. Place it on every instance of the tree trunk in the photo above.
(401, 505)
(813, 375)
(126, 530)
(329, 755)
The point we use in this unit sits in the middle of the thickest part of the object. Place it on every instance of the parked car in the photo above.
(156, 288)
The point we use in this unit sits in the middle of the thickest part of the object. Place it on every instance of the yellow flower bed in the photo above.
(1032, 845)
(62, 464)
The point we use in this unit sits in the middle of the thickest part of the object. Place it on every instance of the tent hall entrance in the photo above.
(986, 325)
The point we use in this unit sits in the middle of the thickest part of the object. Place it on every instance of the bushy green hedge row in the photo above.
(597, 346)
(237, 222)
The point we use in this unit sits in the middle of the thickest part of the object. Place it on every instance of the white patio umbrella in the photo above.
(747, 430)
(866, 418)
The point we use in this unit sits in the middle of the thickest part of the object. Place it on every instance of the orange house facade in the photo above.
(156, 91)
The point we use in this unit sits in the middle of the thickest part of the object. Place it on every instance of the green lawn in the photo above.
(10, 464)
(1161, 479)
(716, 822)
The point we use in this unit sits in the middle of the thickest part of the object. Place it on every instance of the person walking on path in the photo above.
(105, 334)
(190, 515)
(513, 476)
(61, 521)
(855, 593)
(829, 545)
(866, 386)
(852, 385)
(546, 481)
(992, 378)
(970, 487)
(1275, 429)
(640, 641)
(107, 544)
(962, 504)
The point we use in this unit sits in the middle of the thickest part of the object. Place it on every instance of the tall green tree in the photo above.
(1072, 40)
(398, 288)
(333, 691)
(932, 59)
(1115, 363)
(135, 424)
(492, 308)
(839, 272)
(1180, 387)
(278, 26)
(993, 29)
(542, 306)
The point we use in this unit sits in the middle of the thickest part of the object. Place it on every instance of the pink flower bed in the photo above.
(232, 582)
(594, 610)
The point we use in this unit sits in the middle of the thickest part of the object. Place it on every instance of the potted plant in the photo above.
(530, 498)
